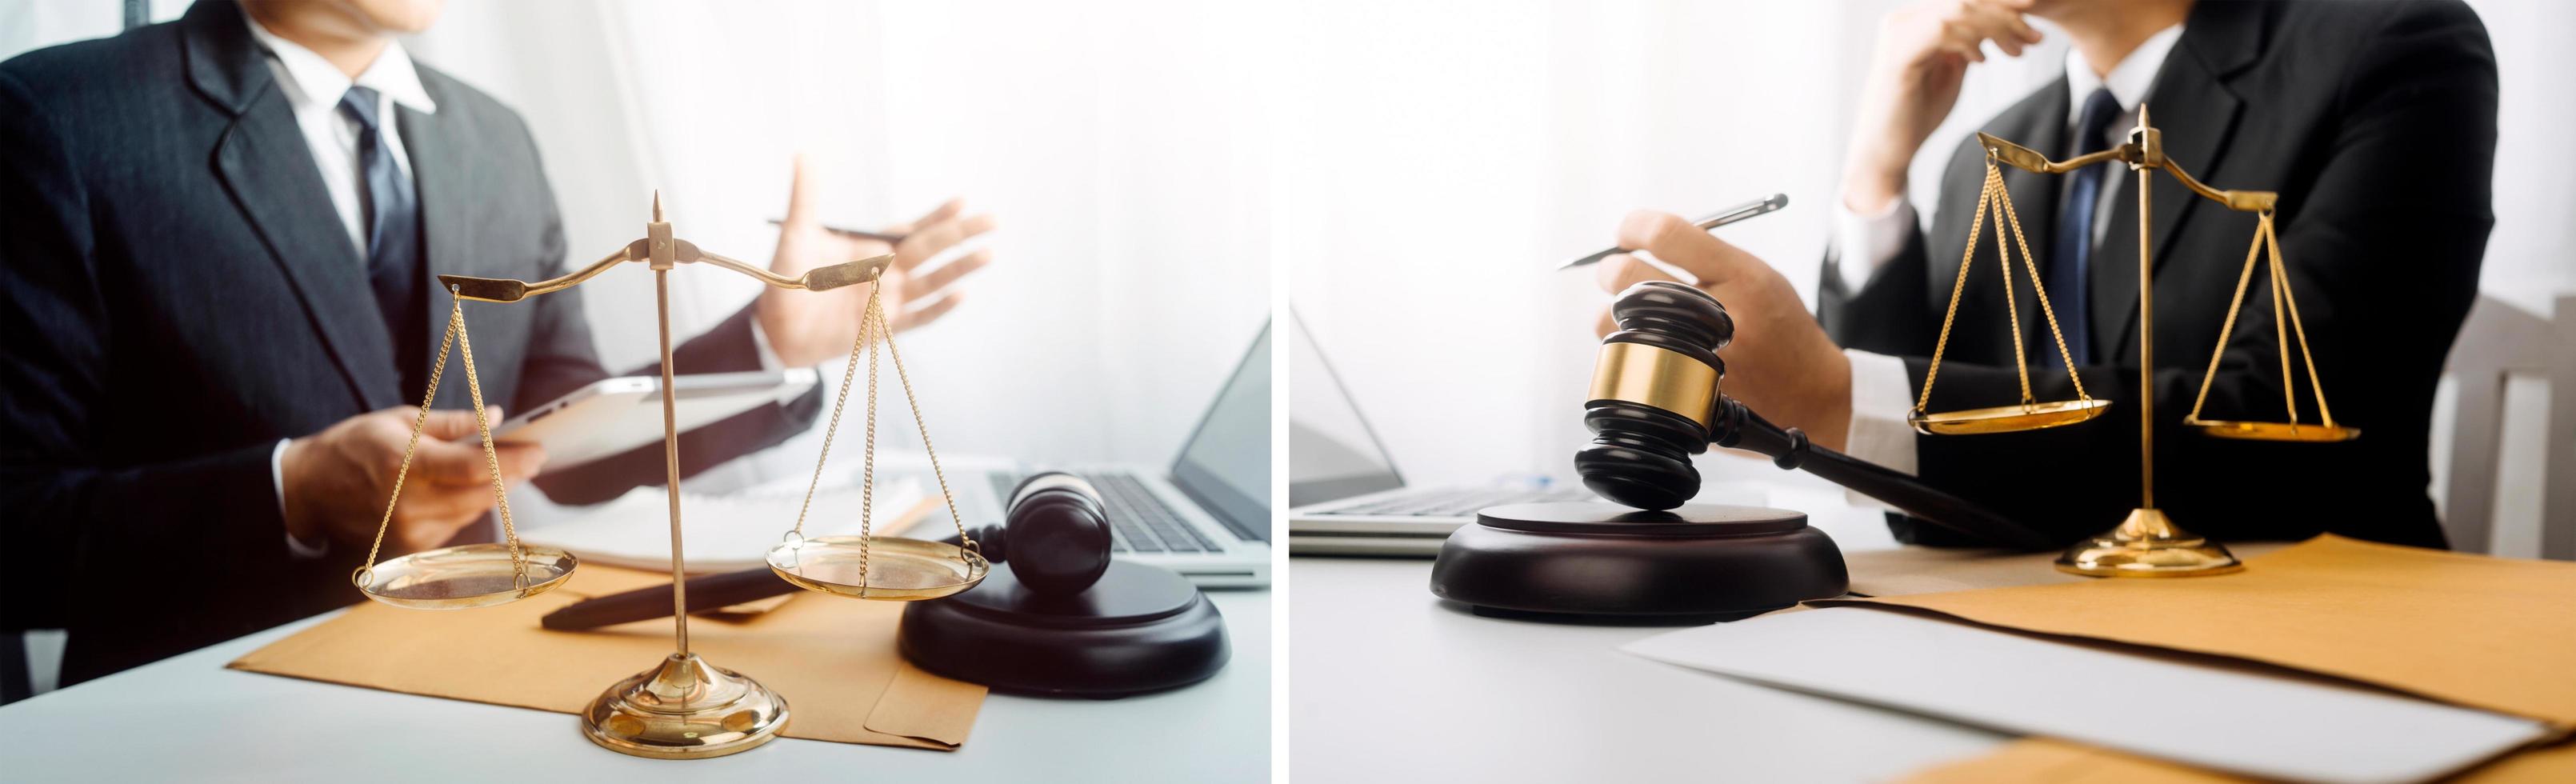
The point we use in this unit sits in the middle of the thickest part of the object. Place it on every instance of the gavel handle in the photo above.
(1738, 427)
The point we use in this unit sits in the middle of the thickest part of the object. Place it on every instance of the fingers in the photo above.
(918, 287)
(1605, 326)
(926, 313)
(450, 424)
(1677, 242)
(803, 192)
(1965, 29)
(946, 210)
(462, 463)
(1617, 273)
(930, 239)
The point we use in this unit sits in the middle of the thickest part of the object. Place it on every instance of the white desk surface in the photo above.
(1393, 684)
(188, 718)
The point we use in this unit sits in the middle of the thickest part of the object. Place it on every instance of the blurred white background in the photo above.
(1457, 150)
(1127, 155)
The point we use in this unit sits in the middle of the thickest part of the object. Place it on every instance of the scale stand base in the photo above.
(684, 709)
(2148, 544)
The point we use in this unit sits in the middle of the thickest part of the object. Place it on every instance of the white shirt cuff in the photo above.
(1880, 400)
(1863, 243)
(302, 550)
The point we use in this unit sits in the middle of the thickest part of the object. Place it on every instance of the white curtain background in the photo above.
(1449, 153)
(1126, 152)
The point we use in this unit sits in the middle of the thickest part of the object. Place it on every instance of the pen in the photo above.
(1721, 218)
(706, 592)
(879, 236)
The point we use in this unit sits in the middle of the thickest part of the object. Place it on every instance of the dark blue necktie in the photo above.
(393, 243)
(2070, 268)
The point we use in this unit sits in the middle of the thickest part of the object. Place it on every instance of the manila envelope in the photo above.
(2491, 633)
(2050, 761)
(833, 659)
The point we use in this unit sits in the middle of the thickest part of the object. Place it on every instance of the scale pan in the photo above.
(464, 577)
(2276, 431)
(2008, 419)
(898, 569)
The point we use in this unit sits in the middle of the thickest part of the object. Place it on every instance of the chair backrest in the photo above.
(2497, 342)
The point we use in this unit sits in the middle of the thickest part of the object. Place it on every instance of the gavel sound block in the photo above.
(1057, 616)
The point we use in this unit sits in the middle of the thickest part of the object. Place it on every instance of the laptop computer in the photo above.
(1207, 515)
(1345, 496)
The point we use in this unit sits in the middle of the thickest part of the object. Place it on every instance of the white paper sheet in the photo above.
(722, 532)
(2245, 720)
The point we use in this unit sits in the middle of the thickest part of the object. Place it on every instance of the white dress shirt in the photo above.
(1864, 243)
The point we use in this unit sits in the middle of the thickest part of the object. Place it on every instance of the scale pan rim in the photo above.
(2008, 419)
(2274, 431)
(788, 559)
(471, 558)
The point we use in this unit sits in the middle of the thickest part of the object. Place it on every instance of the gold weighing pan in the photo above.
(465, 577)
(896, 569)
(2275, 431)
(2008, 419)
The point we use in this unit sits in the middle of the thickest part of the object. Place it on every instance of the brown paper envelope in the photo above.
(1906, 571)
(2048, 761)
(833, 660)
(2490, 633)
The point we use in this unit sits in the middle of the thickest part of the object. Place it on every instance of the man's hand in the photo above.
(806, 327)
(1781, 363)
(1923, 52)
(337, 480)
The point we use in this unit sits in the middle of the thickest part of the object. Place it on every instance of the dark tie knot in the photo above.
(359, 103)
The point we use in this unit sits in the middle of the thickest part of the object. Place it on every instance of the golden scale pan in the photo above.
(685, 708)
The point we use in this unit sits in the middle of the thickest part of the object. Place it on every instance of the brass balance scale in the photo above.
(2147, 543)
(684, 707)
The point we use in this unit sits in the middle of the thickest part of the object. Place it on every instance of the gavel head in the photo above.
(1057, 534)
(1653, 394)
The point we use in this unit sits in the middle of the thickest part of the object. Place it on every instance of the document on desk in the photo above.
(2243, 718)
(726, 531)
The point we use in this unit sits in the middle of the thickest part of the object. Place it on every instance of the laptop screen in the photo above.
(1225, 466)
(1332, 454)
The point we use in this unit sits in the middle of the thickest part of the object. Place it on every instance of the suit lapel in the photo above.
(439, 173)
(269, 171)
(2197, 112)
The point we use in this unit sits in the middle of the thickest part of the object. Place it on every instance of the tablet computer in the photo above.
(613, 415)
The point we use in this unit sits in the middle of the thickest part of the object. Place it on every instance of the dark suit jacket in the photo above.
(2376, 123)
(177, 294)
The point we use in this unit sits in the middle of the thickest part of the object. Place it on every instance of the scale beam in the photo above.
(817, 279)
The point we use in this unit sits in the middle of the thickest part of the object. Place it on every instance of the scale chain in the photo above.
(456, 338)
(1976, 226)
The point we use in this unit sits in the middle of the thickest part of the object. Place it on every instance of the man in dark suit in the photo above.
(2375, 122)
(217, 282)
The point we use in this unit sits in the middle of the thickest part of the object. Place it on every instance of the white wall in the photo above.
(1460, 147)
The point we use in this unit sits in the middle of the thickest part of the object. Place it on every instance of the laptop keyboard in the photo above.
(1138, 520)
(1455, 503)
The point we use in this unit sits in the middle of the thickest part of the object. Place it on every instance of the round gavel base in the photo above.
(1139, 629)
(1598, 562)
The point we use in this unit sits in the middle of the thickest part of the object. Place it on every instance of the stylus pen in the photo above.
(1723, 217)
(879, 236)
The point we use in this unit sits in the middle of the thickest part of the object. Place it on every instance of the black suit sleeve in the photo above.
(65, 503)
(1880, 317)
(2382, 250)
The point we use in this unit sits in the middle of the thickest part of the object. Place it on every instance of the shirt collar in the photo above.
(2128, 80)
(311, 80)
